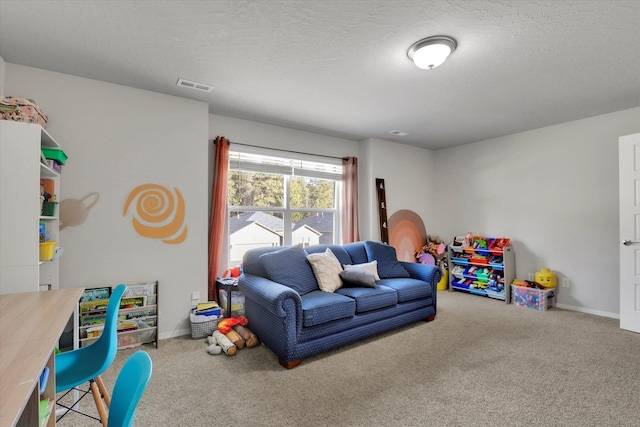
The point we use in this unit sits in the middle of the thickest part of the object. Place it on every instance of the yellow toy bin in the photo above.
(444, 281)
(47, 250)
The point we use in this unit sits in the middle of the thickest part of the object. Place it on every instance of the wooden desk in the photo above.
(30, 326)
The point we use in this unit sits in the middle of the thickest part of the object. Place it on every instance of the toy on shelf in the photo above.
(468, 240)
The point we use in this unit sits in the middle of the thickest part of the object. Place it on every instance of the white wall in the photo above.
(554, 191)
(3, 67)
(408, 174)
(118, 138)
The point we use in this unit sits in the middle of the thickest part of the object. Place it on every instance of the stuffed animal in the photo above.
(225, 325)
(250, 339)
(212, 346)
(223, 341)
(468, 239)
(235, 338)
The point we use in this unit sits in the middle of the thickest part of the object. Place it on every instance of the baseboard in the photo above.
(589, 311)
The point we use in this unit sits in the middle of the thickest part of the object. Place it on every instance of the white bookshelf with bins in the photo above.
(137, 317)
(22, 170)
(485, 266)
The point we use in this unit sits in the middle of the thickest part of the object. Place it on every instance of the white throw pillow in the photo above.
(326, 268)
(371, 267)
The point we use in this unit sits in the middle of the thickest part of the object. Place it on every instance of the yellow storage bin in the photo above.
(47, 250)
(444, 281)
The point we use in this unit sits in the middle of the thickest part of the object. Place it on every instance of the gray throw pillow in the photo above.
(357, 277)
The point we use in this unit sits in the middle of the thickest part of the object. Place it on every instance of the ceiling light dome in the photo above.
(430, 52)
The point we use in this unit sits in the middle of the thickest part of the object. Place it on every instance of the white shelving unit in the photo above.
(21, 172)
(471, 268)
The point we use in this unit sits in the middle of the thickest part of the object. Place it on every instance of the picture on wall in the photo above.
(157, 213)
(406, 233)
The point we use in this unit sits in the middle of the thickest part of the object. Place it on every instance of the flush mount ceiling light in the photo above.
(430, 52)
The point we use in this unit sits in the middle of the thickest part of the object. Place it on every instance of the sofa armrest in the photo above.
(270, 295)
(428, 273)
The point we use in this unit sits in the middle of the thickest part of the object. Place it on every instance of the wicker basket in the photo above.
(203, 326)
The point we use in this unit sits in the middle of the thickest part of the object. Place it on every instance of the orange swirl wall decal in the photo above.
(157, 213)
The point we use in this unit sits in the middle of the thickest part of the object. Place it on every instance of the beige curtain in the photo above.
(218, 210)
(350, 231)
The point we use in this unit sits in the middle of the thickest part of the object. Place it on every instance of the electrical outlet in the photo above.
(566, 283)
(195, 296)
(530, 276)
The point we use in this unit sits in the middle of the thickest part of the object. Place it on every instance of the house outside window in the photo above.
(275, 201)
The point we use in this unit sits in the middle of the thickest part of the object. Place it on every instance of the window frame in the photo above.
(286, 209)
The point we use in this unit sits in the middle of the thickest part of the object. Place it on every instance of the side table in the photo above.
(229, 284)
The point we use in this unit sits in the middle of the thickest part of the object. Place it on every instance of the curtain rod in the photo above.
(287, 151)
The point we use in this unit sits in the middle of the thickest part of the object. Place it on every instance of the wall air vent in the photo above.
(194, 85)
(397, 132)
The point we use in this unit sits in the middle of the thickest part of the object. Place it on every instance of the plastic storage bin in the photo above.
(55, 154)
(49, 208)
(237, 302)
(538, 299)
(47, 250)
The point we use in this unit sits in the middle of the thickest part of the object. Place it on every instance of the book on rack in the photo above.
(139, 289)
(139, 301)
(89, 306)
(92, 319)
(95, 294)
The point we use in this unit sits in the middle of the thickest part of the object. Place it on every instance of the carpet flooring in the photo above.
(479, 363)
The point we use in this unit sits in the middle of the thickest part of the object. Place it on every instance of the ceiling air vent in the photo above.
(194, 85)
(397, 132)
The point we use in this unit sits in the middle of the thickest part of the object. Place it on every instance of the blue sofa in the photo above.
(294, 318)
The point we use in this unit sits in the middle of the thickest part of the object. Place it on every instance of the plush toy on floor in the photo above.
(226, 345)
(212, 346)
(250, 339)
(230, 336)
(225, 325)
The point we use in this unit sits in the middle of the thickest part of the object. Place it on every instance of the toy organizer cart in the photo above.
(482, 268)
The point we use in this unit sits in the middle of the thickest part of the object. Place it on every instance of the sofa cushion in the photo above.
(326, 268)
(368, 299)
(356, 252)
(321, 307)
(290, 267)
(356, 277)
(371, 267)
(388, 264)
(407, 288)
(342, 255)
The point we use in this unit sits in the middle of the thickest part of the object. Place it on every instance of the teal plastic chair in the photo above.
(86, 364)
(130, 385)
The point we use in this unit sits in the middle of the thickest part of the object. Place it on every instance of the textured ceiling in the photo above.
(340, 67)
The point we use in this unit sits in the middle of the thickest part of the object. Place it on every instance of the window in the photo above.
(275, 201)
